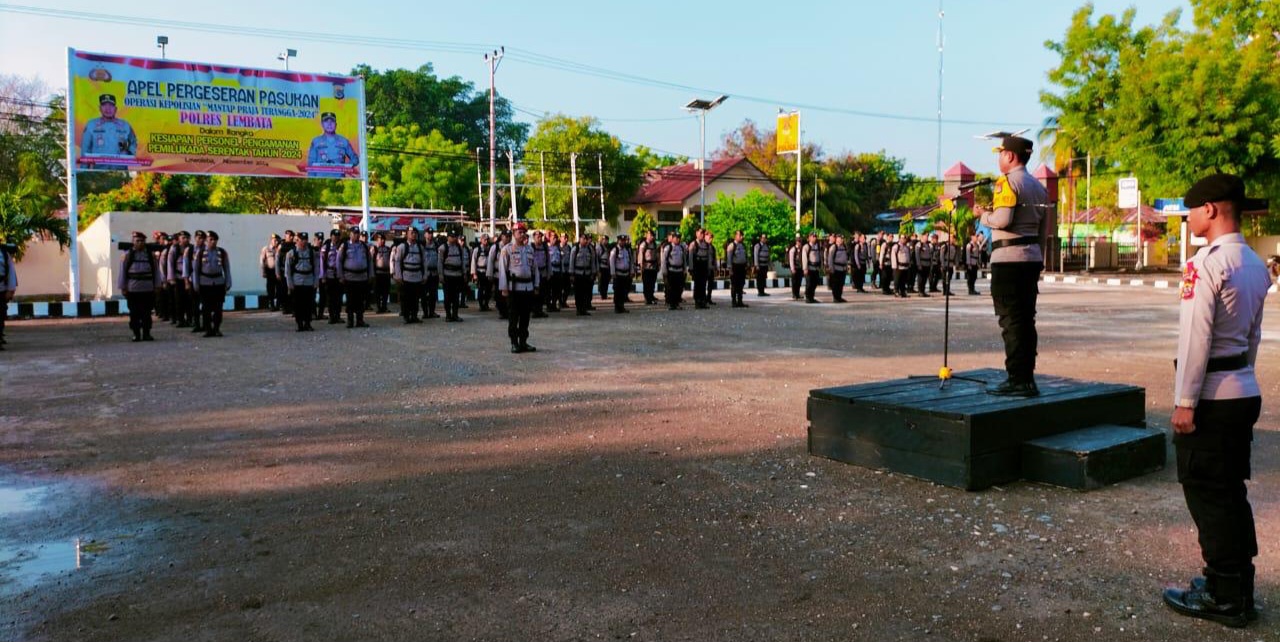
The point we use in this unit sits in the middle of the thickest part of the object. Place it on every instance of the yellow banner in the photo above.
(788, 132)
(168, 116)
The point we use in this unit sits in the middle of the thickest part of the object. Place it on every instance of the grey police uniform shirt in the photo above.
(494, 250)
(647, 255)
(139, 272)
(332, 149)
(761, 253)
(555, 258)
(303, 268)
(430, 259)
(209, 270)
(901, 255)
(1025, 219)
(675, 258)
(735, 253)
(267, 259)
(540, 259)
(113, 137)
(972, 254)
(1224, 288)
(620, 261)
(381, 256)
(176, 268)
(453, 260)
(8, 273)
(353, 262)
(516, 269)
(812, 256)
(408, 263)
(924, 255)
(480, 260)
(582, 260)
(838, 258)
(795, 259)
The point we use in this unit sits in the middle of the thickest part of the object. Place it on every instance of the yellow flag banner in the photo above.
(168, 116)
(789, 133)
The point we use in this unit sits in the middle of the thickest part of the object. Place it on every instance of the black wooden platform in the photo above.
(960, 436)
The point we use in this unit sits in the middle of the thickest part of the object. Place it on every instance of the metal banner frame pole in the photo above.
(73, 211)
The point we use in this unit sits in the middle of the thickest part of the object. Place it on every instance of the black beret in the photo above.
(1218, 188)
(1015, 144)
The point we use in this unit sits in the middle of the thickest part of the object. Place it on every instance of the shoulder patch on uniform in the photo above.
(1190, 275)
(1002, 194)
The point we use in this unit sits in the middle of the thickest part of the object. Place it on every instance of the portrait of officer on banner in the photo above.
(330, 149)
(108, 135)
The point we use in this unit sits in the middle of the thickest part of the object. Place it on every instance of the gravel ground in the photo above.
(640, 477)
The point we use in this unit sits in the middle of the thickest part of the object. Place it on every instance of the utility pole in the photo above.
(493, 59)
(511, 158)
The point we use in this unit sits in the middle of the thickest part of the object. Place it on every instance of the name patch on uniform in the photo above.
(1189, 277)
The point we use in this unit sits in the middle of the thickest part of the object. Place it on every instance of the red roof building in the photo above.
(671, 193)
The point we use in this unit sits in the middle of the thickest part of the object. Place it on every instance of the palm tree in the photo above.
(26, 214)
(1057, 147)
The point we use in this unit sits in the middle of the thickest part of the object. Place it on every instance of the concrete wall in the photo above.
(1265, 245)
(44, 270)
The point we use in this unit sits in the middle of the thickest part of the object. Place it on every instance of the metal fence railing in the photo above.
(1075, 256)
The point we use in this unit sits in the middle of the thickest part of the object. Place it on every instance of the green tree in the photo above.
(860, 186)
(650, 159)
(261, 195)
(688, 227)
(917, 193)
(26, 213)
(643, 222)
(754, 213)
(559, 136)
(410, 168)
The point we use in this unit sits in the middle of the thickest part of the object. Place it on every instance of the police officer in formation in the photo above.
(332, 279)
(267, 261)
(303, 270)
(282, 300)
(974, 251)
(1017, 222)
(736, 257)
(902, 265)
(923, 252)
(355, 270)
(674, 267)
(602, 271)
(702, 257)
(380, 254)
(518, 279)
(556, 260)
(873, 258)
(1217, 400)
(500, 300)
(795, 263)
(430, 291)
(837, 264)
(649, 259)
(858, 262)
(139, 279)
(480, 273)
(541, 261)
(164, 296)
(812, 258)
(885, 258)
(621, 263)
(409, 269)
(8, 286)
(713, 271)
(454, 259)
(762, 260)
(211, 279)
(583, 264)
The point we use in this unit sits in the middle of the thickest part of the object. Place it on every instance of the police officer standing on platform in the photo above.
(675, 265)
(518, 280)
(647, 254)
(621, 264)
(762, 260)
(138, 279)
(582, 263)
(812, 257)
(302, 271)
(1017, 222)
(1217, 400)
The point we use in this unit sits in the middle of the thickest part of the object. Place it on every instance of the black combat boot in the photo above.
(515, 347)
(1222, 599)
(137, 335)
(1015, 388)
(146, 335)
(1250, 605)
(351, 320)
(525, 347)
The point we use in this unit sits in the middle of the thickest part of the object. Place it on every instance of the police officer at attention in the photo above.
(480, 273)
(453, 269)
(282, 301)
(702, 257)
(735, 255)
(8, 286)
(211, 278)
(108, 135)
(795, 263)
(1017, 225)
(138, 279)
(355, 270)
(332, 280)
(303, 269)
(972, 261)
(409, 271)
(621, 264)
(902, 254)
(542, 261)
(674, 268)
(837, 263)
(430, 291)
(812, 256)
(647, 256)
(381, 255)
(924, 261)
(582, 263)
(762, 260)
(1217, 400)
(518, 279)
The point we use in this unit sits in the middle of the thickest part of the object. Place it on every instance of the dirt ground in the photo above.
(641, 477)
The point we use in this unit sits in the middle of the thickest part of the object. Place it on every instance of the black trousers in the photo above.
(1014, 287)
(650, 279)
(334, 289)
(195, 305)
(430, 294)
(382, 290)
(922, 279)
(521, 302)
(710, 286)
(410, 296)
(811, 279)
(484, 290)
(566, 288)
(886, 279)
(211, 300)
(140, 308)
(502, 304)
(621, 287)
(797, 278)
(179, 307)
(762, 278)
(948, 275)
(901, 276)
(700, 278)
(283, 299)
(273, 297)
(673, 288)
(1213, 462)
(582, 292)
(859, 278)
(304, 302)
(162, 302)
(453, 286)
(737, 281)
(836, 281)
(935, 275)
(356, 291)
(552, 290)
(971, 278)
(323, 296)
(605, 277)
(875, 275)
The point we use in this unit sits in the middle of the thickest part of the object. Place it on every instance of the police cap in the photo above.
(333, 234)
(106, 98)
(328, 115)
(1219, 188)
(213, 235)
(139, 235)
(1016, 144)
(303, 235)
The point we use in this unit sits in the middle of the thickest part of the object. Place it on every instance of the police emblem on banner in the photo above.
(339, 91)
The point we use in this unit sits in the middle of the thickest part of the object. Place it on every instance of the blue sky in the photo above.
(856, 56)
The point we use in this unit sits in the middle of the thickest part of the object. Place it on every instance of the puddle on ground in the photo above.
(18, 500)
(23, 565)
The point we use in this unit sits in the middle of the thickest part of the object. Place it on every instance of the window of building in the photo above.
(670, 216)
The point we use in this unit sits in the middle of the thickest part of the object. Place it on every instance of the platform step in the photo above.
(1093, 457)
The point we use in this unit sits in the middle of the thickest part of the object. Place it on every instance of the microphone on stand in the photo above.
(964, 187)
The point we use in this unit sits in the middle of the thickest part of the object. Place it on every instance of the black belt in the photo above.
(210, 276)
(140, 276)
(307, 272)
(406, 268)
(515, 279)
(1224, 364)
(1021, 240)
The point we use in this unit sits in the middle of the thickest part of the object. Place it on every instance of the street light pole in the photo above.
(493, 60)
(702, 107)
(288, 53)
(162, 42)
